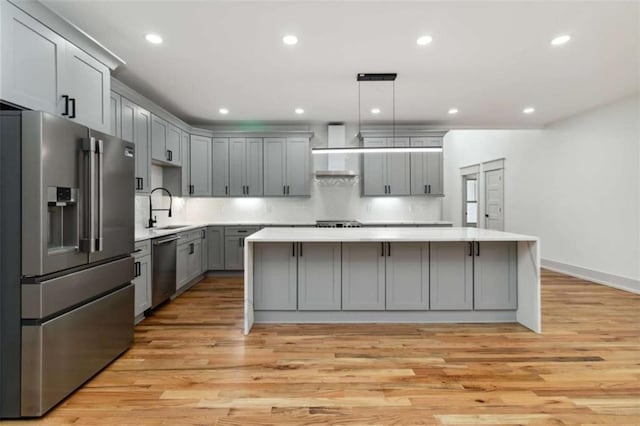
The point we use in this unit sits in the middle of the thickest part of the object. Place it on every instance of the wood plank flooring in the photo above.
(190, 364)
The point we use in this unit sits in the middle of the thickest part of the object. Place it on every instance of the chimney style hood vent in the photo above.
(336, 163)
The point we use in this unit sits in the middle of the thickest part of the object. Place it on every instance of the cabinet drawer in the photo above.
(240, 231)
(190, 236)
(142, 248)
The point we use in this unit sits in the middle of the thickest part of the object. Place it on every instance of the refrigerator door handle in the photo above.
(100, 155)
(88, 242)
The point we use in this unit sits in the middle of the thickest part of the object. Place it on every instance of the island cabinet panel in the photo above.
(407, 276)
(451, 276)
(363, 276)
(495, 275)
(275, 276)
(319, 276)
(215, 252)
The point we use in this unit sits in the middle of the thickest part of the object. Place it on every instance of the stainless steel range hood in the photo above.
(336, 163)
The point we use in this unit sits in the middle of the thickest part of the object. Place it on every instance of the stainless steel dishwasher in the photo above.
(163, 284)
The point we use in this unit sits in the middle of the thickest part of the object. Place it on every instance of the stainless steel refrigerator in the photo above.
(66, 234)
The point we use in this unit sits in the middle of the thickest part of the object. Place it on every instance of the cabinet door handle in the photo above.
(73, 107)
(470, 248)
(293, 249)
(66, 105)
(389, 189)
(191, 248)
(381, 249)
(136, 270)
(477, 248)
(141, 183)
(288, 190)
(429, 188)
(300, 249)
(388, 249)
(425, 189)
(284, 189)
(226, 190)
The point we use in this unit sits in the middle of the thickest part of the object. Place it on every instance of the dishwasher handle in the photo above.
(166, 240)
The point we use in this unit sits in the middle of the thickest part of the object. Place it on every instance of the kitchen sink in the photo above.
(162, 228)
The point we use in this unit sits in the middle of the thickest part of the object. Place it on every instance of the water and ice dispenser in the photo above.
(63, 220)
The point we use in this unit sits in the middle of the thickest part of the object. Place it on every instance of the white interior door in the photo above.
(494, 199)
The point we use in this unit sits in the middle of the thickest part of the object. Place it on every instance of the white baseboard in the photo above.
(611, 280)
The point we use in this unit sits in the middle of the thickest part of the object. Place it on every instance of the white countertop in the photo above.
(147, 234)
(383, 234)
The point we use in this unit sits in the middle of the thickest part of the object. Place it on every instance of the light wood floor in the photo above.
(190, 364)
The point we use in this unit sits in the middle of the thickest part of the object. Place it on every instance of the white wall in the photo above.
(575, 184)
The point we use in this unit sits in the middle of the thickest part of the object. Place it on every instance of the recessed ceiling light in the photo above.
(299, 111)
(290, 39)
(424, 40)
(529, 110)
(223, 111)
(453, 111)
(560, 40)
(375, 110)
(153, 38)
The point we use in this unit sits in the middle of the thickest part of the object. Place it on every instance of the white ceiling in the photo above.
(488, 59)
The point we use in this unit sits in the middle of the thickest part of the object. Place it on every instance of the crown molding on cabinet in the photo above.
(402, 132)
(70, 32)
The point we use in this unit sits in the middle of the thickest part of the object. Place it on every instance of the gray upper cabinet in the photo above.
(245, 167)
(297, 167)
(135, 126)
(165, 141)
(319, 276)
(407, 276)
(87, 82)
(275, 167)
(174, 137)
(274, 276)
(363, 276)
(200, 166)
(215, 249)
(220, 167)
(115, 112)
(32, 60)
(286, 167)
(495, 275)
(426, 168)
(185, 168)
(40, 68)
(386, 173)
(451, 276)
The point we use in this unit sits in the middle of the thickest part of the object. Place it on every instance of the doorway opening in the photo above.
(470, 200)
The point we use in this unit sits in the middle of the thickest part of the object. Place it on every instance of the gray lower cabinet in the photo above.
(426, 168)
(200, 166)
(188, 258)
(234, 246)
(495, 275)
(215, 242)
(451, 276)
(319, 276)
(407, 276)
(142, 284)
(363, 276)
(274, 276)
(220, 167)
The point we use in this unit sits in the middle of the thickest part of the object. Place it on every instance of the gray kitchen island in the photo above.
(378, 275)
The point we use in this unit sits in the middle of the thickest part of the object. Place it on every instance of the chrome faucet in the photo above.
(152, 220)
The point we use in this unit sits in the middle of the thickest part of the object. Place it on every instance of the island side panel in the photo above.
(248, 287)
(529, 301)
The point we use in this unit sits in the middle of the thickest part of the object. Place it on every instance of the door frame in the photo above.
(490, 166)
